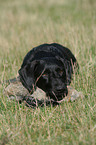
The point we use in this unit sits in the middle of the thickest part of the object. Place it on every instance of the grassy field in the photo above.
(25, 24)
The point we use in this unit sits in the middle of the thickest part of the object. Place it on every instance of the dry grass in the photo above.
(25, 24)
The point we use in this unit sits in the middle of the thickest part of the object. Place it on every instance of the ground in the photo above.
(25, 24)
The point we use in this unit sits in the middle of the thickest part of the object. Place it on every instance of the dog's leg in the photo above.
(15, 88)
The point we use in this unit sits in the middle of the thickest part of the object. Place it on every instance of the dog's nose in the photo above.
(59, 89)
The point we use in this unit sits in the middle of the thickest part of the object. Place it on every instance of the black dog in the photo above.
(49, 67)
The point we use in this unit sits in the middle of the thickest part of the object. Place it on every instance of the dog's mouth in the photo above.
(57, 95)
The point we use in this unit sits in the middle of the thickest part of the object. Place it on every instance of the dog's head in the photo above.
(50, 76)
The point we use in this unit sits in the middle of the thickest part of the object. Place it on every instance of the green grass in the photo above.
(25, 24)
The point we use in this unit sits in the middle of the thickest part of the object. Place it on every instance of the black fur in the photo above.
(49, 67)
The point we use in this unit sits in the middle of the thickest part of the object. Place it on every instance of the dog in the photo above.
(50, 68)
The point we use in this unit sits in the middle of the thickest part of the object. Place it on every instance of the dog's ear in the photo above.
(27, 75)
(68, 68)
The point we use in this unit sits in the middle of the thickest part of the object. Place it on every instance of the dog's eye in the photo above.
(60, 72)
(45, 75)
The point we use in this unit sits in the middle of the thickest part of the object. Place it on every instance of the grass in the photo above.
(25, 24)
